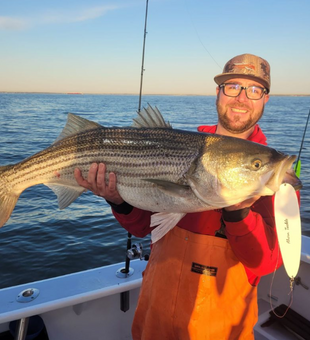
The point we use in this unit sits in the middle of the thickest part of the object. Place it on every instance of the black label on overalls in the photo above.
(204, 270)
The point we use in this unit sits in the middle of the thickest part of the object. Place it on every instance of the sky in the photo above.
(96, 46)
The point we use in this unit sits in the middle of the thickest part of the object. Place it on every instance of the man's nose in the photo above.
(242, 96)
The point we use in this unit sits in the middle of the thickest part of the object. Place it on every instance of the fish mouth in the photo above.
(285, 174)
(291, 178)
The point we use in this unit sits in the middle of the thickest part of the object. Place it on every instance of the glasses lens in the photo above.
(252, 92)
(232, 90)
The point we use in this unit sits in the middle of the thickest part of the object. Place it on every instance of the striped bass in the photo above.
(160, 169)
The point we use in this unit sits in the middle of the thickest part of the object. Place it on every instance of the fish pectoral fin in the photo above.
(164, 222)
(65, 195)
(170, 188)
(150, 118)
(76, 124)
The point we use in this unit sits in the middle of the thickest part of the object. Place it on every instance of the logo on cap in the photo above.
(240, 66)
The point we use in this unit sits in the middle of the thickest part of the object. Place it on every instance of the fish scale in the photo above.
(158, 168)
(111, 146)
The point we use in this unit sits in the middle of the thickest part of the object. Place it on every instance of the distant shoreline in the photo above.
(145, 94)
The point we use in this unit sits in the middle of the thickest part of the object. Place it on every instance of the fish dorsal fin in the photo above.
(76, 124)
(150, 118)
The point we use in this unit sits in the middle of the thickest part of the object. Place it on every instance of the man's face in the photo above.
(239, 114)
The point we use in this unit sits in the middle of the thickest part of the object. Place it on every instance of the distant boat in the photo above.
(74, 93)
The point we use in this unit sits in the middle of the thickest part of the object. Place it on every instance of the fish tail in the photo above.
(7, 199)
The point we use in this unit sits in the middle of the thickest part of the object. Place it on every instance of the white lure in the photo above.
(288, 225)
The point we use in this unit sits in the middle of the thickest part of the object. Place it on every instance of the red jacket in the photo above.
(253, 239)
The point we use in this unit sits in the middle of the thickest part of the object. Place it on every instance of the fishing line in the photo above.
(291, 293)
(198, 36)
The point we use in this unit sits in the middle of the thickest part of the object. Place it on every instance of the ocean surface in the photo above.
(40, 241)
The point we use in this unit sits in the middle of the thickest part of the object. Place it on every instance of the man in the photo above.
(200, 281)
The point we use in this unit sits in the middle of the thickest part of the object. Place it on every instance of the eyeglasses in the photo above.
(252, 92)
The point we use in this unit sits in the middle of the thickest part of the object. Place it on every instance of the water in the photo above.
(40, 241)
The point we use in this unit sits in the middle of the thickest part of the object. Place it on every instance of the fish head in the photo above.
(238, 169)
(251, 169)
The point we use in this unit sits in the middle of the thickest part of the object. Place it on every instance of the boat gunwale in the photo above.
(68, 290)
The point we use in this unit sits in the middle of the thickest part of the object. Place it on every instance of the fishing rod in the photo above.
(297, 168)
(139, 109)
(143, 52)
(137, 251)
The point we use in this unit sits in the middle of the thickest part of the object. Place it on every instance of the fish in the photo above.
(168, 171)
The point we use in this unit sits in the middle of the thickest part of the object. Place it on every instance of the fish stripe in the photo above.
(134, 153)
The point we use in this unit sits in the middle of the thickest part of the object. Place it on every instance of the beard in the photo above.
(237, 124)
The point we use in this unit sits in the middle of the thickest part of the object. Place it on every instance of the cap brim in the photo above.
(221, 78)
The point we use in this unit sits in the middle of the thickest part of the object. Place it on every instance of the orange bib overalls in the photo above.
(194, 288)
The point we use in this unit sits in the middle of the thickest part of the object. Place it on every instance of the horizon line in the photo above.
(136, 94)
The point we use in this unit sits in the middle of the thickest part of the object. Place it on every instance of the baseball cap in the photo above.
(247, 66)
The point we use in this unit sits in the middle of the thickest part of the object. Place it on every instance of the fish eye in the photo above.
(256, 164)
